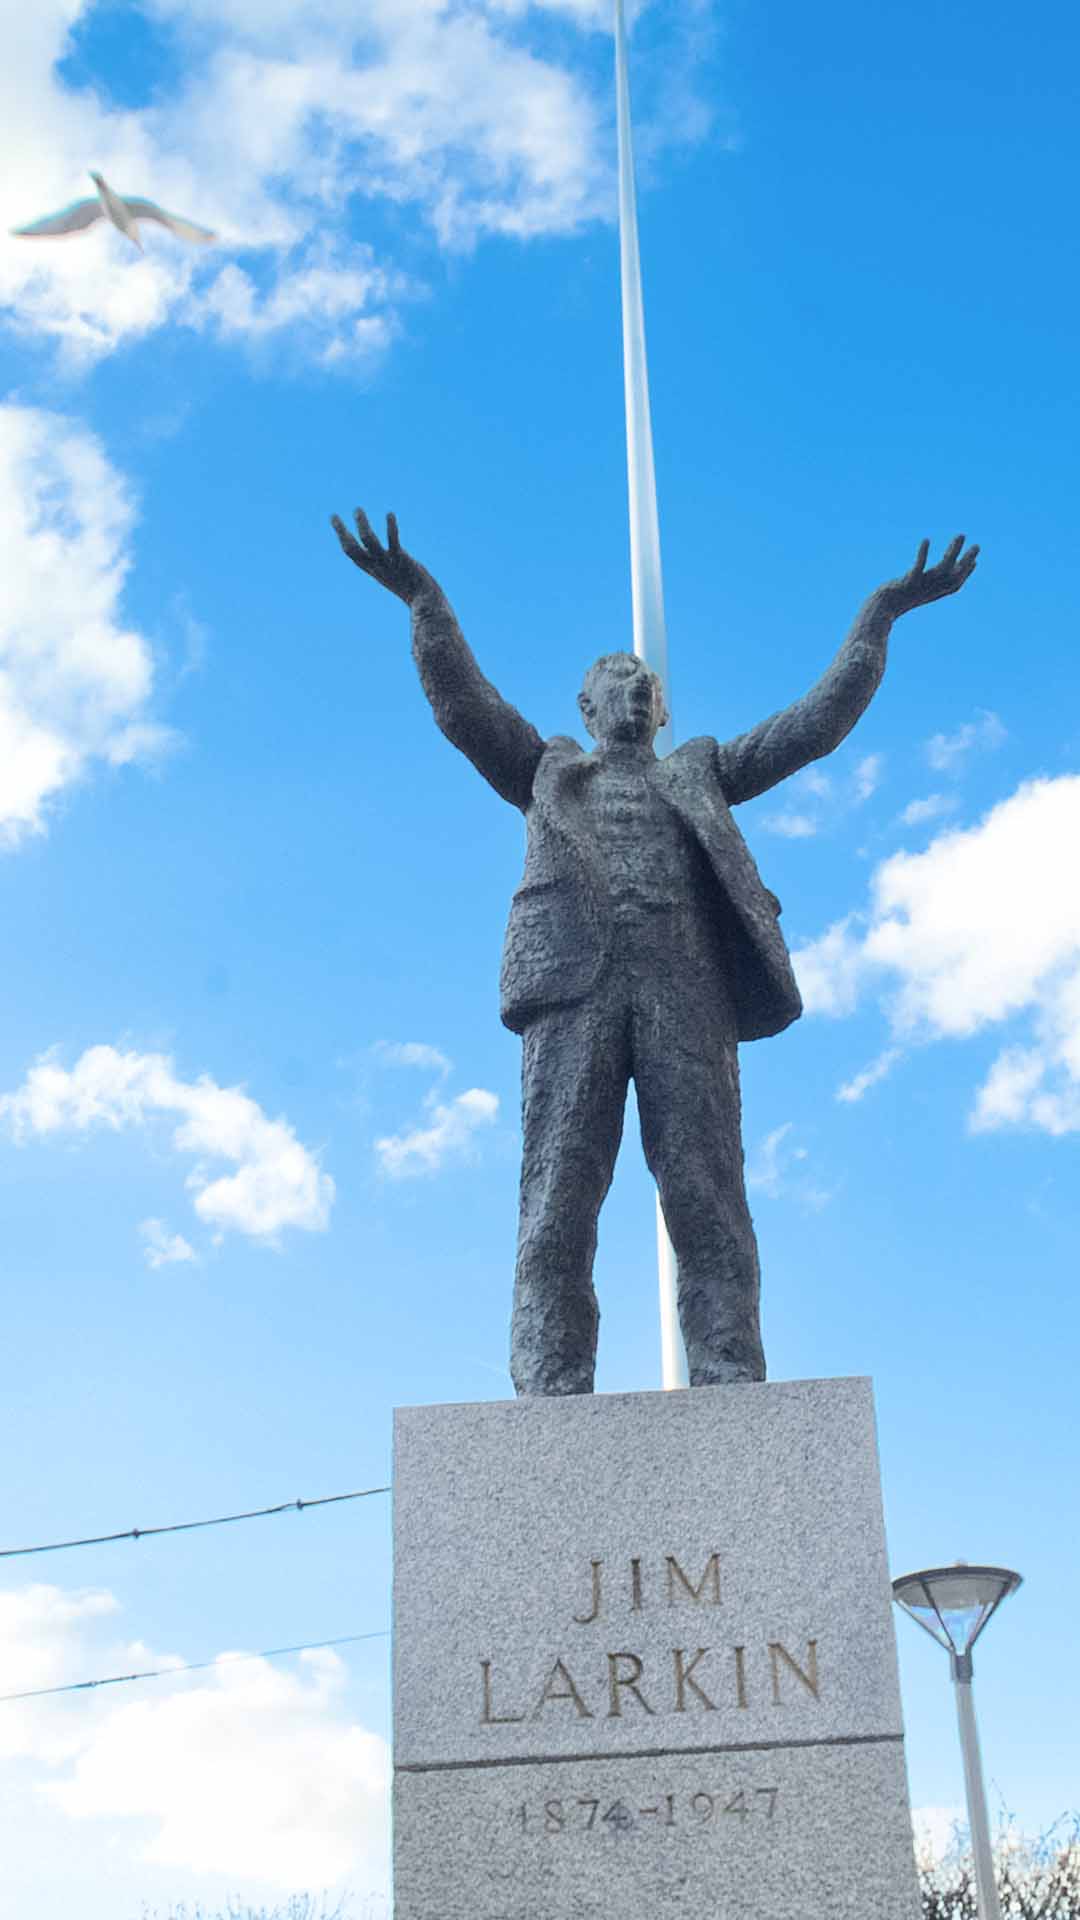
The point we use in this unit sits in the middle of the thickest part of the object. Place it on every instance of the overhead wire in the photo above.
(194, 1666)
(189, 1526)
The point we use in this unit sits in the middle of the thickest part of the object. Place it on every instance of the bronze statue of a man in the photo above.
(641, 945)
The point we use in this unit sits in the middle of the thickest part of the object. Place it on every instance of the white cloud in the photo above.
(946, 752)
(449, 1129)
(764, 1173)
(45, 1632)
(870, 1076)
(867, 776)
(252, 1770)
(277, 1182)
(413, 1053)
(1030, 1086)
(585, 13)
(315, 295)
(282, 114)
(807, 795)
(778, 1169)
(1006, 1094)
(75, 683)
(162, 1248)
(830, 970)
(449, 1134)
(815, 801)
(980, 928)
(918, 812)
(791, 825)
(937, 1830)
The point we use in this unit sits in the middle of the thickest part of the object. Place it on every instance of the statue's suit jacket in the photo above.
(561, 933)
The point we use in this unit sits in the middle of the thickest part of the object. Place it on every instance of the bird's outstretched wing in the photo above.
(183, 229)
(81, 213)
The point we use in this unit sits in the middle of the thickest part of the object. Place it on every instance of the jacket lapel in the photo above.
(687, 780)
(558, 792)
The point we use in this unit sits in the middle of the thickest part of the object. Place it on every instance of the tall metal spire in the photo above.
(646, 578)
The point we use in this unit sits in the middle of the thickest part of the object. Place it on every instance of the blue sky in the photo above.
(258, 1144)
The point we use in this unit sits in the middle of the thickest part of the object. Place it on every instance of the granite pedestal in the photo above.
(644, 1663)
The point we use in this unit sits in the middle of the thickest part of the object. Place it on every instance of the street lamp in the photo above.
(953, 1604)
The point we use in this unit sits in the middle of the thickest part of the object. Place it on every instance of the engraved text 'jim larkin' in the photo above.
(682, 1679)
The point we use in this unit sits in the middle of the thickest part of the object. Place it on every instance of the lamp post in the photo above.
(953, 1605)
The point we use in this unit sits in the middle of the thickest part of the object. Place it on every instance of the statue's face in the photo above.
(622, 699)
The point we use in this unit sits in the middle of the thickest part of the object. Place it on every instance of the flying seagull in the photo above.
(124, 212)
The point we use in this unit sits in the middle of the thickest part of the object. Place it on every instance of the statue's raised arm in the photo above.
(503, 746)
(817, 723)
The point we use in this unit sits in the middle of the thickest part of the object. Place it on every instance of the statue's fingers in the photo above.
(363, 528)
(968, 562)
(951, 551)
(392, 538)
(920, 557)
(348, 544)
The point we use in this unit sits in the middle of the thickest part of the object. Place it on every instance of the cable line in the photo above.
(189, 1526)
(197, 1666)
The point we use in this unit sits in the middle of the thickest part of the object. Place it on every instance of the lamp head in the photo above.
(953, 1604)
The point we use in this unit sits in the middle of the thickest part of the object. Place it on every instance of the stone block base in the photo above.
(644, 1661)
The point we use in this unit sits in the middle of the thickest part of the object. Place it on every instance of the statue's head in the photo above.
(622, 699)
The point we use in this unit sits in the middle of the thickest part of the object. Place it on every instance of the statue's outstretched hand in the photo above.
(922, 583)
(391, 566)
